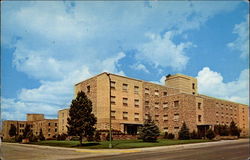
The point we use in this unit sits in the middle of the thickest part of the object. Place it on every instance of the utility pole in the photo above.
(110, 132)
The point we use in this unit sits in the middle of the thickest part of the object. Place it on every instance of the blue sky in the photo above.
(47, 47)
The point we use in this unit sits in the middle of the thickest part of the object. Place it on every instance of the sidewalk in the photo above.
(132, 150)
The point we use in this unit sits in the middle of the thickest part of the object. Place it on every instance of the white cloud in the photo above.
(140, 67)
(162, 51)
(59, 45)
(211, 83)
(242, 42)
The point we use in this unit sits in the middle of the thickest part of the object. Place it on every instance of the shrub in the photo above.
(194, 135)
(19, 138)
(74, 138)
(107, 137)
(97, 137)
(234, 130)
(184, 132)
(170, 136)
(165, 135)
(33, 138)
(221, 130)
(210, 134)
(41, 136)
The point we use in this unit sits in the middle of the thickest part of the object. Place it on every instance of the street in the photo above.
(222, 150)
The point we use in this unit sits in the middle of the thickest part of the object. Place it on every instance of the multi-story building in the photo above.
(178, 101)
(62, 121)
(37, 122)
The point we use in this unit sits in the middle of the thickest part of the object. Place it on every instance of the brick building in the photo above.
(36, 121)
(132, 101)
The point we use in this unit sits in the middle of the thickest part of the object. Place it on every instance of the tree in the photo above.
(184, 132)
(234, 130)
(194, 135)
(210, 134)
(81, 120)
(12, 131)
(41, 136)
(149, 131)
(27, 131)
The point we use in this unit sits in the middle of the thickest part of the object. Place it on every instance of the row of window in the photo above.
(125, 101)
(227, 107)
(125, 115)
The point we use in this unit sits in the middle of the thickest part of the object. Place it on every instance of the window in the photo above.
(55, 129)
(199, 105)
(176, 129)
(55, 124)
(112, 84)
(199, 118)
(165, 117)
(165, 129)
(49, 130)
(146, 103)
(165, 105)
(156, 105)
(137, 103)
(146, 116)
(125, 101)
(62, 114)
(176, 103)
(217, 114)
(147, 91)
(49, 135)
(48, 124)
(165, 93)
(112, 114)
(125, 115)
(62, 121)
(112, 99)
(156, 92)
(125, 87)
(157, 117)
(88, 89)
(136, 89)
(193, 86)
(176, 117)
(136, 116)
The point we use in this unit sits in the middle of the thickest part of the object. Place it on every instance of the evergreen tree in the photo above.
(184, 132)
(210, 134)
(149, 131)
(234, 130)
(12, 131)
(41, 136)
(81, 120)
(27, 131)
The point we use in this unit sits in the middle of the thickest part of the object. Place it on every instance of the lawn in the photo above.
(118, 144)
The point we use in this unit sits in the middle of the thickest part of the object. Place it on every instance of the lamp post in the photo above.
(110, 132)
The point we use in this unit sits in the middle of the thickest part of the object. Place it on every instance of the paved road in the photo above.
(225, 150)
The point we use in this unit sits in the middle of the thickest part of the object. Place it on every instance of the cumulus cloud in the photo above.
(59, 43)
(211, 83)
(162, 51)
(140, 67)
(241, 43)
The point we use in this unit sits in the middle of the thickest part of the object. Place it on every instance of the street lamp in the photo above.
(110, 132)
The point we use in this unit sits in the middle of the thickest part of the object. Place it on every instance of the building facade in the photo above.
(37, 122)
(178, 101)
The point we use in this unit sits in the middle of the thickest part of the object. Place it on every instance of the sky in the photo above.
(48, 46)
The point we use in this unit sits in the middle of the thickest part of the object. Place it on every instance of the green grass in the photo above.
(118, 144)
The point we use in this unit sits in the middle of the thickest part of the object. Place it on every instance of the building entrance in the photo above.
(131, 128)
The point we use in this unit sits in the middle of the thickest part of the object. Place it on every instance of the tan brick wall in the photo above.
(62, 121)
(185, 83)
(35, 117)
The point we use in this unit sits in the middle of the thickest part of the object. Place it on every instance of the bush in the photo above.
(107, 137)
(165, 135)
(210, 134)
(97, 136)
(184, 132)
(74, 138)
(234, 130)
(221, 130)
(61, 137)
(41, 136)
(194, 135)
(170, 136)
(33, 138)
(19, 138)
